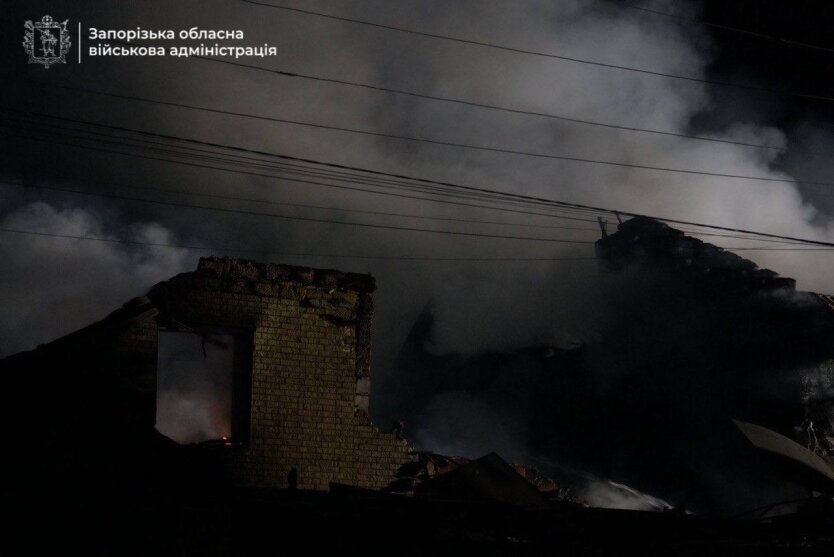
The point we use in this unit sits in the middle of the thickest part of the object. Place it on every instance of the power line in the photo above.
(325, 184)
(797, 242)
(52, 133)
(329, 255)
(429, 97)
(324, 221)
(549, 202)
(759, 248)
(308, 172)
(260, 163)
(480, 191)
(581, 160)
(539, 53)
(287, 254)
(28, 185)
(723, 27)
(736, 236)
(303, 205)
(696, 232)
(191, 153)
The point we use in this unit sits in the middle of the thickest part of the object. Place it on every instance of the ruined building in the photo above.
(92, 462)
(300, 352)
(797, 323)
(680, 337)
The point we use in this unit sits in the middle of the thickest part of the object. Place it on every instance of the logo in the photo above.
(47, 41)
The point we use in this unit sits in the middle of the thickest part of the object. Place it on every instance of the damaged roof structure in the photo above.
(650, 240)
(300, 383)
(723, 274)
(692, 337)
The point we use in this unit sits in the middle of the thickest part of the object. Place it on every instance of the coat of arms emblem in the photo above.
(47, 41)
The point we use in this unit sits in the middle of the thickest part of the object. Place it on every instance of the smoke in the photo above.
(194, 387)
(481, 309)
(612, 495)
(459, 423)
(54, 286)
(526, 295)
(647, 401)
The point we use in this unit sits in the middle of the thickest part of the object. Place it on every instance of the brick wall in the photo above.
(310, 368)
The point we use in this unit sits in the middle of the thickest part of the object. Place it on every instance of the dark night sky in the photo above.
(50, 286)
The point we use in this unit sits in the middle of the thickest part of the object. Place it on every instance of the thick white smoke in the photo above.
(479, 305)
(53, 286)
(532, 296)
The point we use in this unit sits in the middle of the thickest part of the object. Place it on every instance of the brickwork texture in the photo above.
(310, 368)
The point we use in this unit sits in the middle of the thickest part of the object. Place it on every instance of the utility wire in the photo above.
(325, 184)
(310, 254)
(258, 162)
(428, 97)
(696, 232)
(692, 232)
(323, 221)
(52, 134)
(287, 254)
(539, 53)
(581, 160)
(551, 202)
(723, 27)
(302, 181)
(758, 248)
(733, 248)
(29, 185)
(505, 196)
(360, 211)
(234, 198)
(289, 168)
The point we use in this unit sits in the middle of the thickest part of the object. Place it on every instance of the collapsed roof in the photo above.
(643, 238)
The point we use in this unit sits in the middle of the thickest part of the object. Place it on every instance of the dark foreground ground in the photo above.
(352, 522)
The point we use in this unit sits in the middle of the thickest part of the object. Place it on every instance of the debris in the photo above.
(778, 444)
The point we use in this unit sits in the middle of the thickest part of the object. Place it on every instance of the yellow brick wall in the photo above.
(311, 344)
